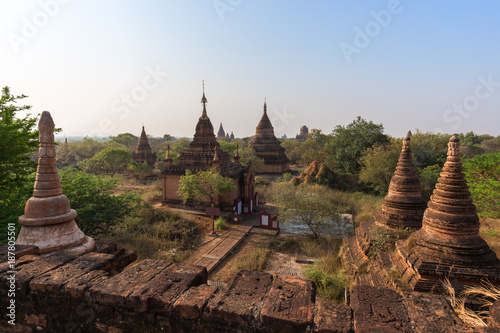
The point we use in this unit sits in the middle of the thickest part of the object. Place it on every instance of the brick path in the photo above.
(222, 249)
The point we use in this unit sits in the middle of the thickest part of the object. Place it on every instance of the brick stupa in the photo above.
(403, 206)
(268, 148)
(448, 245)
(143, 152)
(48, 220)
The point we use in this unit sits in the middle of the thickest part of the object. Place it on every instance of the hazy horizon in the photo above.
(104, 68)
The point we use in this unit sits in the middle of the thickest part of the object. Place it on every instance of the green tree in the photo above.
(429, 149)
(306, 205)
(18, 141)
(348, 143)
(111, 160)
(204, 185)
(126, 139)
(140, 169)
(247, 155)
(86, 148)
(483, 177)
(92, 198)
(378, 164)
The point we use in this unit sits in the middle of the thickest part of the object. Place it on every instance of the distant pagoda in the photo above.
(302, 136)
(220, 133)
(204, 153)
(143, 152)
(267, 147)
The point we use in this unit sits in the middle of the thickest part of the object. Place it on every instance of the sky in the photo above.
(108, 67)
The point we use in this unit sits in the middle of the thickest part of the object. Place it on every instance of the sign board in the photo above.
(265, 217)
(275, 224)
(212, 211)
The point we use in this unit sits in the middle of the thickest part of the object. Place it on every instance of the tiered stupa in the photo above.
(302, 136)
(204, 152)
(200, 154)
(268, 148)
(448, 245)
(143, 152)
(48, 221)
(404, 205)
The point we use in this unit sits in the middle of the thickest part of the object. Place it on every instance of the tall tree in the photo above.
(348, 143)
(204, 185)
(307, 205)
(18, 141)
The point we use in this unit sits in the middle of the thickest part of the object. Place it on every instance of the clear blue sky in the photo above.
(429, 65)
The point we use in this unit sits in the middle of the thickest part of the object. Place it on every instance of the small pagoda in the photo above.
(204, 153)
(403, 206)
(143, 152)
(267, 147)
(48, 221)
(448, 245)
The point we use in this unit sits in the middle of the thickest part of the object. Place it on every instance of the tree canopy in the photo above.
(204, 185)
(307, 205)
(348, 143)
(18, 142)
(111, 160)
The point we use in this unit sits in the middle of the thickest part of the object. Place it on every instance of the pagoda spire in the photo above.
(236, 157)
(204, 101)
(265, 106)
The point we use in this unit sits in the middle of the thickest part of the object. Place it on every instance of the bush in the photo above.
(220, 223)
(92, 198)
(329, 286)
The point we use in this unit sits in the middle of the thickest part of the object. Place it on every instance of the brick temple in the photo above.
(143, 152)
(302, 136)
(204, 153)
(449, 244)
(268, 148)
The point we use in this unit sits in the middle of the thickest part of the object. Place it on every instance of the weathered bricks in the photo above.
(69, 294)
(117, 289)
(190, 305)
(378, 310)
(159, 294)
(39, 267)
(76, 287)
(54, 280)
(290, 304)
(334, 318)
(240, 301)
(432, 313)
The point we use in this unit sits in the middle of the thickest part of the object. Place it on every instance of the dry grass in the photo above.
(156, 234)
(254, 261)
(486, 293)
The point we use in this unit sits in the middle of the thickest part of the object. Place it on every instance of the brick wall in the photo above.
(92, 293)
